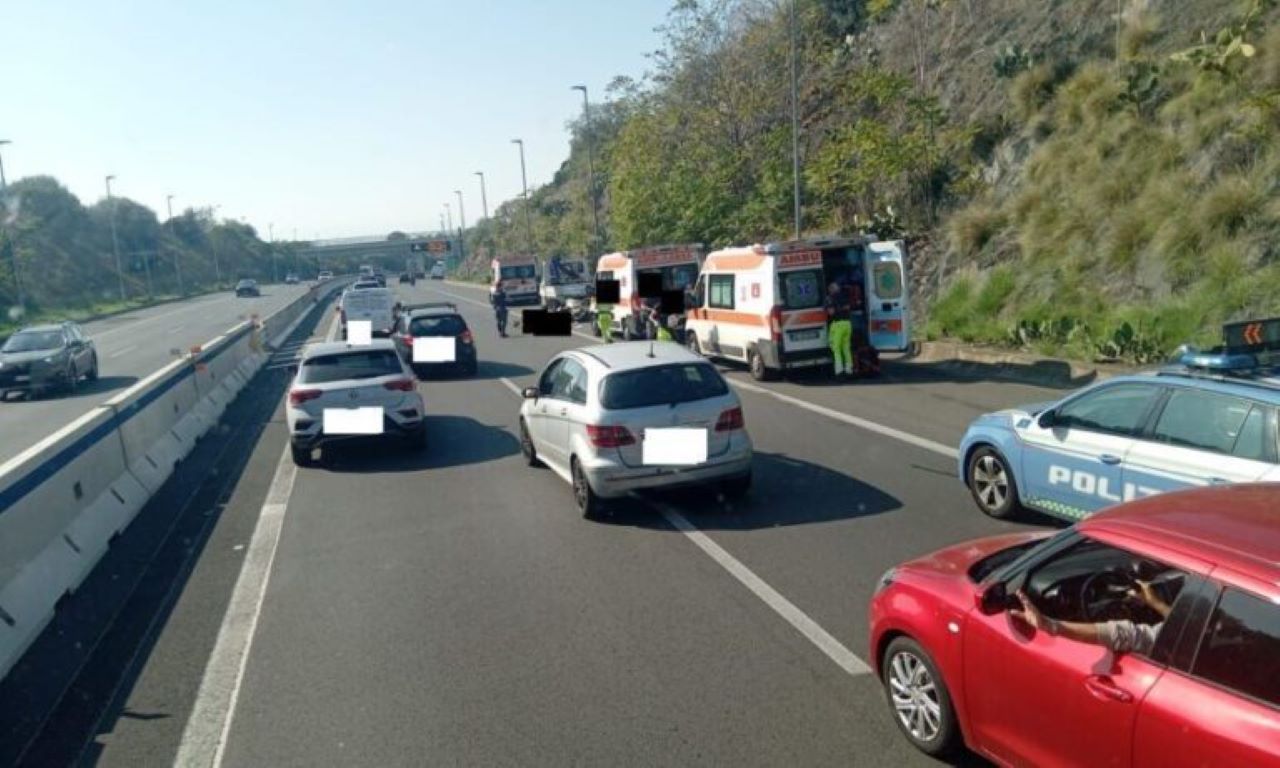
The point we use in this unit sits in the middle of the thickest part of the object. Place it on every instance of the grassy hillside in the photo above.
(1144, 214)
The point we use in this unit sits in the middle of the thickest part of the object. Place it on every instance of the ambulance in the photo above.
(518, 275)
(678, 265)
(763, 304)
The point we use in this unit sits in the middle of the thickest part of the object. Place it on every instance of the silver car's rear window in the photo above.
(661, 385)
(350, 365)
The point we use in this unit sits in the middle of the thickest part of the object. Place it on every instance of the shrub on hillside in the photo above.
(970, 229)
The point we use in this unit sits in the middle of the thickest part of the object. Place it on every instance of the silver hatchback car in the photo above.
(617, 418)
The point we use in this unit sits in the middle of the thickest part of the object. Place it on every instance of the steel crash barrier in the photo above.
(65, 498)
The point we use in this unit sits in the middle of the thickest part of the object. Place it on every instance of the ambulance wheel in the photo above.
(691, 342)
(992, 485)
(759, 371)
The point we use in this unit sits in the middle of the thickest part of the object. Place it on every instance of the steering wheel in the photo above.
(1112, 586)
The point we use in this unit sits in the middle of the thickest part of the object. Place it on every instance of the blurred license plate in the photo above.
(804, 335)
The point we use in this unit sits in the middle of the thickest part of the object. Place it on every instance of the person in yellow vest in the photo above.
(604, 321)
(840, 329)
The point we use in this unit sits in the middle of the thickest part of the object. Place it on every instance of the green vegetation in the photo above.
(1145, 218)
(66, 265)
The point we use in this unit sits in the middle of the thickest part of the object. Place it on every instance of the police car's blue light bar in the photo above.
(1219, 361)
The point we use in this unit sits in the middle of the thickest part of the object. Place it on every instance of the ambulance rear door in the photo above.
(888, 305)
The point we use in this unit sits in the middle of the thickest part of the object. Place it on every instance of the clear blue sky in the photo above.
(338, 118)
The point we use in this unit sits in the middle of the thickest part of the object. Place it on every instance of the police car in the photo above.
(1210, 419)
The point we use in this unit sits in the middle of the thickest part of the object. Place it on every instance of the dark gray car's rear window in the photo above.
(350, 365)
(661, 385)
(437, 325)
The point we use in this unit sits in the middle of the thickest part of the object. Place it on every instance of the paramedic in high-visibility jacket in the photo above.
(840, 329)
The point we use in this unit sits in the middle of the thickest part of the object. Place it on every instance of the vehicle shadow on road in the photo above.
(784, 492)
(452, 441)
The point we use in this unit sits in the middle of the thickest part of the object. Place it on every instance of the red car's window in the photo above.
(1241, 648)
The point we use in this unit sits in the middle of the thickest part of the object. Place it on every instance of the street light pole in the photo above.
(177, 254)
(591, 169)
(213, 245)
(448, 213)
(462, 228)
(524, 183)
(484, 199)
(271, 236)
(115, 242)
(795, 125)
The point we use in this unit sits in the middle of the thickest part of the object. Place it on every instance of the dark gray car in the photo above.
(43, 358)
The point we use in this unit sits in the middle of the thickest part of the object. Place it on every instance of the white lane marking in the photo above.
(121, 351)
(176, 328)
(332, 335)
(870, 426)
(842, 656)
(204, 739)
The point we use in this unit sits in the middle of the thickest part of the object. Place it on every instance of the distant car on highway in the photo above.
(407, 277)
(438, 271)
(290, 279)
(435, 320)
(248, 288)
(43, 358)
(325, 275)
(596, 412)
(1152, 638)
(342, 378)
(1212, 419)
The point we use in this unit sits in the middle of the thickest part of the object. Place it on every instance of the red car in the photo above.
(1150, 636)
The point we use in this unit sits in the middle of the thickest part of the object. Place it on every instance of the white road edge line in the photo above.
(204, 739)
(833, 648)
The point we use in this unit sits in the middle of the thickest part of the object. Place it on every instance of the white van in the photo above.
(376, 305)
(763, 304)
(518, 275)
(678, 265)
(437, 271)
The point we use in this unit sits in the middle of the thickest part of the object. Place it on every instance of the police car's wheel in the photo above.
(918, 698)
(992, 484)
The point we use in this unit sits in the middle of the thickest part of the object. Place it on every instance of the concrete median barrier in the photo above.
(63, 500)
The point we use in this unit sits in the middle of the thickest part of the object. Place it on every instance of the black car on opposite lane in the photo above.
(435, 320)
(247, 288)
(43, 358)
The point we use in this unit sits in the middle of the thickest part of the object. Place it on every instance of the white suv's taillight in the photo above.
(401, 385)
(609, 437)
(300, 396)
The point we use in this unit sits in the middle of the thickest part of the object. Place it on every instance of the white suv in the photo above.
(624, 417)
(344, 391)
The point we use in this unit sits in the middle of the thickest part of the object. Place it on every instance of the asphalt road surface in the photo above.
(131, 347)
(449, 607)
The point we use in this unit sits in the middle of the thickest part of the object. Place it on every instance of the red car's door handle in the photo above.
(1102, 688)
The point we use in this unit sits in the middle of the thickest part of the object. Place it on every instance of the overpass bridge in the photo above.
(378, 250)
